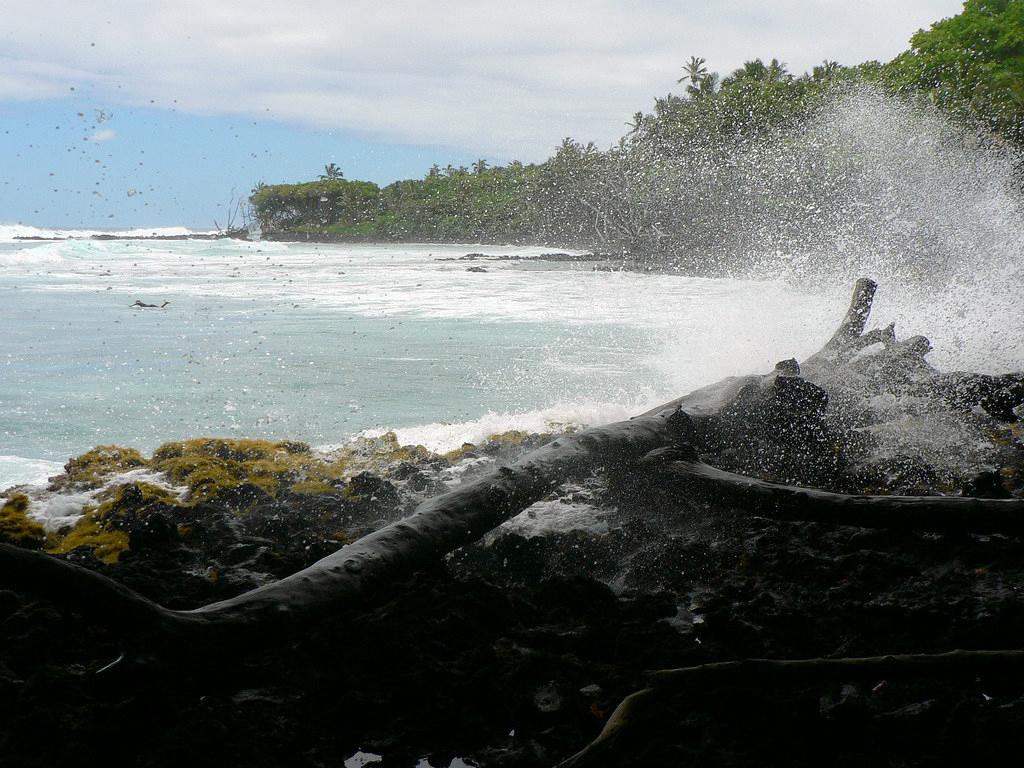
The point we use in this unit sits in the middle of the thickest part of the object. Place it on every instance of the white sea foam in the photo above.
(440, 437)
(12, 232)
(18, 470)
(546, 518)
(30, 258)
(55, 509)
(408, 280)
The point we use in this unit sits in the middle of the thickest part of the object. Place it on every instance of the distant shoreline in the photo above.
(308, 238)
(556, 254)
(104, 236)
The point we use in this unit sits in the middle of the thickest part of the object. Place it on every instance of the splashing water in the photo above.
(875, 186)
(870, 185)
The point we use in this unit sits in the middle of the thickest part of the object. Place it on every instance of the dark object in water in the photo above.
(144, 305)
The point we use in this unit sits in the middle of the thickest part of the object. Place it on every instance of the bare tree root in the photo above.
(636, 707)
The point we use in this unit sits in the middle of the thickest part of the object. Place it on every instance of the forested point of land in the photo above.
(733, 159)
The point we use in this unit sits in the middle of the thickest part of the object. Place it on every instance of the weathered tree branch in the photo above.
(344, 578)
(676, 471)
(846, 341)
(637, 707)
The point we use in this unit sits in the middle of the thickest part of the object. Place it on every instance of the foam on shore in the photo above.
(16, 232)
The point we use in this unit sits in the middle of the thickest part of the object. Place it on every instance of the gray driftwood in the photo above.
(679, 470)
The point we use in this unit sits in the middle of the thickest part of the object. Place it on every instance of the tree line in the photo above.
(731, 159)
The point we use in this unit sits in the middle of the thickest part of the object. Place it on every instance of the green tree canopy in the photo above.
(972, 63)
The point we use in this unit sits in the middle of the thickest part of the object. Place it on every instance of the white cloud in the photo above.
(501, 78)
(105, 134)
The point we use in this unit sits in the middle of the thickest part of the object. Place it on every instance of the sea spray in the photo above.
(867, 184)
(877, 186)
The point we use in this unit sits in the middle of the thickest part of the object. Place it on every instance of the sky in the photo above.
(119, 113)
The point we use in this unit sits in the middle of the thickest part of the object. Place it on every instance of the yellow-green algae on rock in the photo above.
(104, 528)
(94, 531)
(16, 527)
(375, 454)
(93, 467)
(511, 437)
(238, 473)
(209, 466)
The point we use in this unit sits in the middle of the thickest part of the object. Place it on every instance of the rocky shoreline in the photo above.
(512, 651)
(468, 634)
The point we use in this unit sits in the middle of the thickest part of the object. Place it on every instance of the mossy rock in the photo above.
(458, 454)
(510, 437)
(231, 449)
(139, 493)
(124, 504)
(376, 454)
(105, 528)
(95, 531)
(16, 527)
(494, 442)
(313, 487)
(218, 467)
(94, 467)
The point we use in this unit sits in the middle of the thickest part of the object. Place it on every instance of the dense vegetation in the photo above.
(749, 157)
(972, 64)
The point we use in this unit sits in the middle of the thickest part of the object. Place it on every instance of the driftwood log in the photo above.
(675, 470)
(681, 429)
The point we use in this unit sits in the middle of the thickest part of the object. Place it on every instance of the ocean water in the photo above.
(325, 342)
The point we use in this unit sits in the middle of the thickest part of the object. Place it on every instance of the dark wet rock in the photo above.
(988, 485)
(781, 432)
(914, 711)
(156, 531)
(373, 489)
(403, 470)
(515, 650)
(241, 497)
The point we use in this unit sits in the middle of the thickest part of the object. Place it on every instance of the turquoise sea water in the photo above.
(321, 343)
(319, 359)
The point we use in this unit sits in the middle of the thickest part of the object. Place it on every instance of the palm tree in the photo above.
(756, 70)
(331, 173)
(826, 70)
(708, 86)
(695, 71)
(751, 70)
(777, 71)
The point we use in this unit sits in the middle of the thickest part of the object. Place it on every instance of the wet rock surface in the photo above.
(515, 651)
